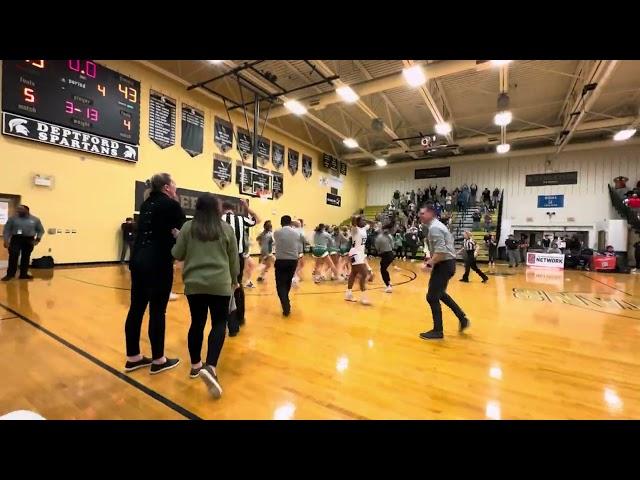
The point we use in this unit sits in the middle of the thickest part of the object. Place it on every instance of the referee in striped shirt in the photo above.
(470, 248)
(240, 224)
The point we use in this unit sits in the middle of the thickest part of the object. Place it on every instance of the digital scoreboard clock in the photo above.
(77, 94)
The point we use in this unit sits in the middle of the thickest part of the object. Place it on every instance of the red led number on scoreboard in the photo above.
(29, 95)
(92, 114)
(87, 67)
(129, 93)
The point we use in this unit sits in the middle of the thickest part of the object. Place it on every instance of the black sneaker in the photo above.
(6, 278)
(26, 277)
(131, 366)
(234, 334)
(210, 379)
(286, 312)
(463, 280)
(485, 280)
(161, 367)
(464, 324)
(195, 371)
(431, 335)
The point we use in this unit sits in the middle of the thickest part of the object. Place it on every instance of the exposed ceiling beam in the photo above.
(386, 82)
(583, 96)
(308, 116)
(511, 137)
(182, 81)
(429, 101)
(328, 72)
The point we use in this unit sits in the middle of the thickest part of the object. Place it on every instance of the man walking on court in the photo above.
(21, 233)
(288, 246)
(443, 266)
(240, 224)
(470, 248)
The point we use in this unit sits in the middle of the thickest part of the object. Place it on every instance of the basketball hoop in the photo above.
(263, 194)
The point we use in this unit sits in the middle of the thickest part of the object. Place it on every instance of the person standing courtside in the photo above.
(209, 249)
(151, 266)
(470, 248)
(21, 233)
(443, 266)
(128, 229)
(512, 251)
(240, 224)
(288, 246)
(384, 246)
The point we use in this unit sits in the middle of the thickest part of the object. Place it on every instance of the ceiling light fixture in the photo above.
(381, 162)
(443, 128)
(295, 107)
(502, 119)
(347, 94)
(414, 76)
(350, 143)
(503, 148)
(500, 63)
(625, 134)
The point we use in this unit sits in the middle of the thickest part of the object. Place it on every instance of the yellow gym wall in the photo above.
(94, 194)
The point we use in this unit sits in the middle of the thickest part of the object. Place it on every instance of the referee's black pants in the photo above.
(236, 318)
(470, 264)
(285, 270)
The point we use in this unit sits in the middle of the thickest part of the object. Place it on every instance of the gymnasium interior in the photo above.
(553, 142)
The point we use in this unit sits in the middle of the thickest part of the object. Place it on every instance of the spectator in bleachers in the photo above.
(433, 191)
(554, 249)
(448, 203)
(488, 220)
(443, 193)
(476, 220)
(496, 197)
(419, 195)
(486, 196)
(473, 189)
(412, 196)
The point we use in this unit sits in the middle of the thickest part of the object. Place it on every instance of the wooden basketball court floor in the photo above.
(542, 345)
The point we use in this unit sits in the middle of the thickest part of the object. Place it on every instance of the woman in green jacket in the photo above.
(208, 247)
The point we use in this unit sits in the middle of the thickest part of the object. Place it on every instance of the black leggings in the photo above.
(399, 252)
(492, 254)
(385, 261)
(200, 305)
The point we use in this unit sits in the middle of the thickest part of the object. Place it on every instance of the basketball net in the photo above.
(263, 194)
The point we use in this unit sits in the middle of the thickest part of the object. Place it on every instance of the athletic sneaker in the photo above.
(349, 297)
(485, 280)
(316, 279)
(210, 379)
(173, 297)
(161, 367)
(295, 283)
(464, 280)
(250, 284)
(388, 289)
(6, 278)
(131, 366)
(195, 371)
(260, 279)
(431, 335)
(365, 301)
(464, 324)
(26, 277)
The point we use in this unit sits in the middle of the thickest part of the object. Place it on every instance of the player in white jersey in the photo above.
(298, 275)
(358, 258)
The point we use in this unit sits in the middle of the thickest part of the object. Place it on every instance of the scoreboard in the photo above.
(76, 94)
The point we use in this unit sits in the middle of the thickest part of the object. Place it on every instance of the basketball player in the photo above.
(321, 241)
(470, 248)
(334, 251)
(266, 249)
(344, 245)
(357, 256)
(298, 276)
(443, 266)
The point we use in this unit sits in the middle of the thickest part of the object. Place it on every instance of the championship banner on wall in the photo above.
(307, 166)
(162, 119)
(293, 161)
(278, 184)
(343, 169)
(264, 150)
(245, 145)
(221, 170)
(277, 155)
(546, 260)
(186, 198)
(192, 130)
(37, 131)
(222, 134)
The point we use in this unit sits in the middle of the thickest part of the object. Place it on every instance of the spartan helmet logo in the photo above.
(17, 125)
(129, 152)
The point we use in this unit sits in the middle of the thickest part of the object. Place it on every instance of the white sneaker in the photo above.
(365, 301)
(295, 283)
(388, 289)
(173, 297)
(349, 297)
